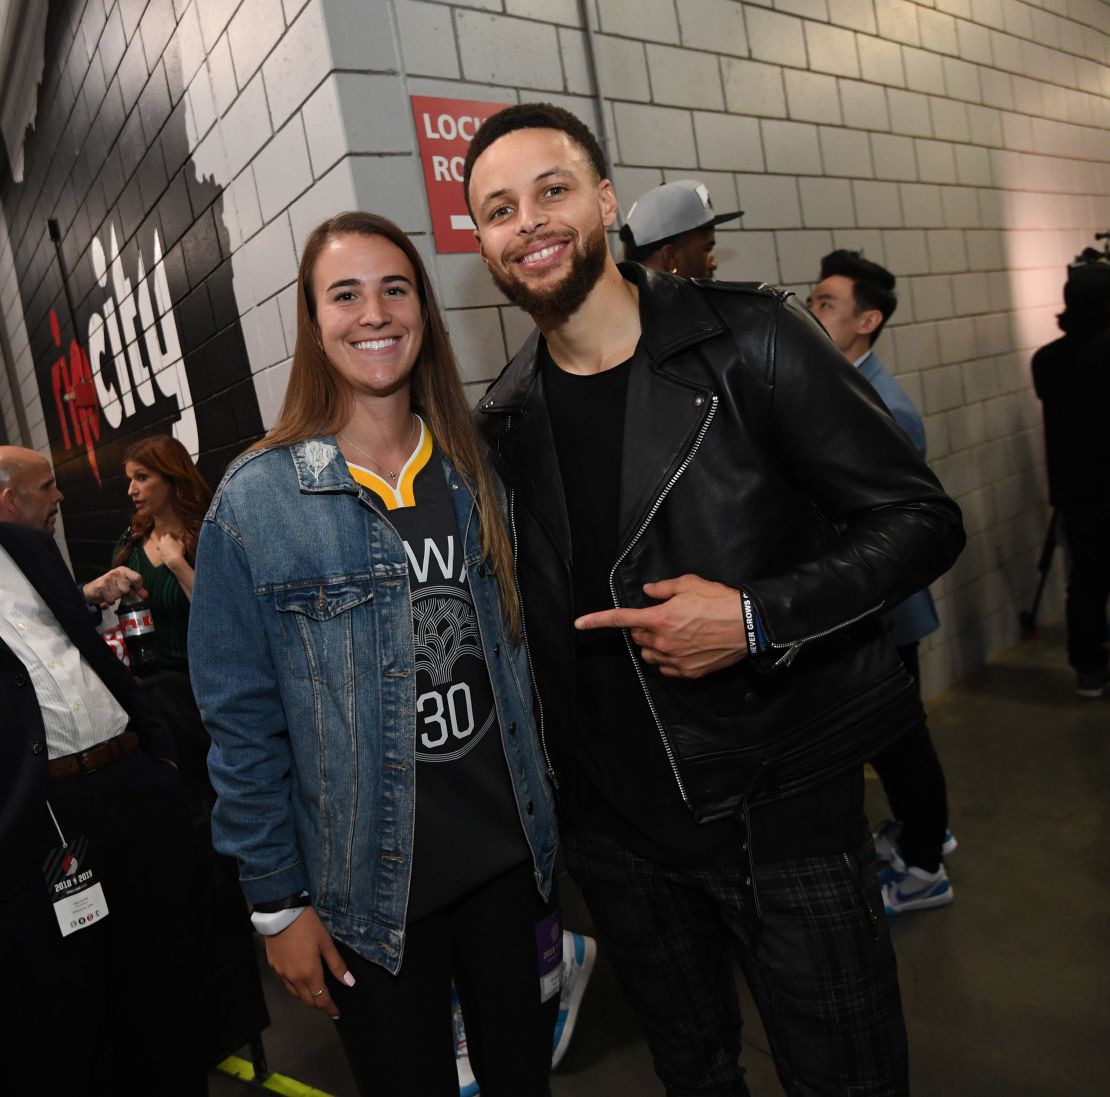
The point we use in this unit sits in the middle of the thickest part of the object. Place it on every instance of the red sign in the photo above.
(444, 130)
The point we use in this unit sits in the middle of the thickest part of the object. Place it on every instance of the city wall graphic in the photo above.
(123, 263)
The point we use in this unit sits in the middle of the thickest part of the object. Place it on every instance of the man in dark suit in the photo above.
(94, 856)
(29, 496)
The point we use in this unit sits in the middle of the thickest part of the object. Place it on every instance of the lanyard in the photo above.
(55, 820)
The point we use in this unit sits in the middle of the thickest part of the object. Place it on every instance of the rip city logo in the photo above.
(112, 375)
(133, 372)
(127, 299)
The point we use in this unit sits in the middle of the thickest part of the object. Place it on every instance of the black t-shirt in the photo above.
(467, 827)
(620, 782)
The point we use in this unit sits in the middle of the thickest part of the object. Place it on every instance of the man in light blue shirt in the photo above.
(853, 300)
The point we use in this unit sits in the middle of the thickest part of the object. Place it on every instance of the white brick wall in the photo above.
(963, 143)
(754, 88)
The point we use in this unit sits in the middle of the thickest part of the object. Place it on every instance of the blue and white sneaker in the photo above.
(579, 954)
(886, 843)
(468, 1086)
(915, 889)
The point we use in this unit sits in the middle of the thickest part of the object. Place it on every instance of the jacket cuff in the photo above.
(289, 902)
(274, 886)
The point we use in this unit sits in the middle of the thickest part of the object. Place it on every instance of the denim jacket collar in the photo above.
(321, 467)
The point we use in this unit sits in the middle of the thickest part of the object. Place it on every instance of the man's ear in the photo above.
(8, 510)
(608, 200)
(668, 258)
(868, 321)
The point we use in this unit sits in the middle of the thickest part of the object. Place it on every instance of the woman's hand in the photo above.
(172, 550)
(298, 954)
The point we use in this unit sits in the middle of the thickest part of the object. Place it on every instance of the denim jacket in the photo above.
(301, 656)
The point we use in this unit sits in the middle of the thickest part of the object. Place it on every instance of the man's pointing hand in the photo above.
(696, 628)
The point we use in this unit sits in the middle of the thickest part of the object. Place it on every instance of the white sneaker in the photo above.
(916, 889)
(579, 954)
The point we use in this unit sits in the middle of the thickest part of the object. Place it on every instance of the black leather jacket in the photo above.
(754, 455)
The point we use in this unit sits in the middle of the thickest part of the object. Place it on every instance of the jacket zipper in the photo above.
(794, 646)
(853, 873)
(616, 601)
(524, 641)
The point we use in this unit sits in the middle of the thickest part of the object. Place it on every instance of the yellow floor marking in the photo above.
(276, 1083)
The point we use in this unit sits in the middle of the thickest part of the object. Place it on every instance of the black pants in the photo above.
(1088, 534)
(396, 1029)
(107, 1010)
(914, 783)
(819, 964)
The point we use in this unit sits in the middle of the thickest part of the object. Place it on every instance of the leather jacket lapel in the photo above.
(664, 408)
(662, 417)
(519, 429)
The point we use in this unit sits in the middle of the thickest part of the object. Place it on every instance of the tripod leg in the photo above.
(1044, 566)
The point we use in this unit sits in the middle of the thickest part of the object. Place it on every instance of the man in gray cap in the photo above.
(672, 227)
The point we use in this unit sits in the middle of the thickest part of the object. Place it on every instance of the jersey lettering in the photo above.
(421, 569)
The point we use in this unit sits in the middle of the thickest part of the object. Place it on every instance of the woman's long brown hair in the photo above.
(316, 403)
(166, 456)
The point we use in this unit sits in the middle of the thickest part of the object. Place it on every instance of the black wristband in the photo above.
(288, 903)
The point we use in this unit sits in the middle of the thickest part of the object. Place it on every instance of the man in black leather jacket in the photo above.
(710, 510)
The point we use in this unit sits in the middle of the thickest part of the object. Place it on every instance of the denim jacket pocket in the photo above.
(326, 637)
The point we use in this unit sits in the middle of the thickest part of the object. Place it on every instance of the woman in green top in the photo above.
(170, 499)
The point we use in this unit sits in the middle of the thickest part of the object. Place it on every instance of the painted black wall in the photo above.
(109, 157)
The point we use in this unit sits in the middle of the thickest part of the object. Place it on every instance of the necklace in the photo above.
(370, 457)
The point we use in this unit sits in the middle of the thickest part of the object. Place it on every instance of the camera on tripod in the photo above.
(1093, 255)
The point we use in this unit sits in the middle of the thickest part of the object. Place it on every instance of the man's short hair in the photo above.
(638, 253)
(872, 285)
(533, 116)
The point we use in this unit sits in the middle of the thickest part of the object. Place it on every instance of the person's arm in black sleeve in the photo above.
(898, 530)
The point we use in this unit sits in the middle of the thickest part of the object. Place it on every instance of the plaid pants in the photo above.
(819, 963)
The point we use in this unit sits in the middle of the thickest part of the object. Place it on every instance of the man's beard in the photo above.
(551, 306)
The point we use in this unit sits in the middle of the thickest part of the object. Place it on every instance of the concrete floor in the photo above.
(1005, 991)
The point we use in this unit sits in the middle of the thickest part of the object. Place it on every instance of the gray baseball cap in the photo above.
(673, 208)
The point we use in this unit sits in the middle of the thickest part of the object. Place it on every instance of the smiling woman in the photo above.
(355, 642)
(370, 321)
